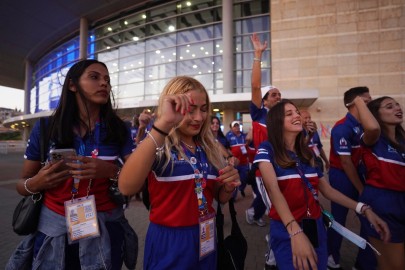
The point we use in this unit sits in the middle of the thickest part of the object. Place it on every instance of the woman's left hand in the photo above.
(379, 225)
(91, 168)
(229, 176)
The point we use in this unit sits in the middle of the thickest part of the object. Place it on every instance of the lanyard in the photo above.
(309, 185)
(200, 182)
(82, 151)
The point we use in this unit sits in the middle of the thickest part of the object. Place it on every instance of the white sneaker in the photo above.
(331, 263)
(259, 222)
(249, 217)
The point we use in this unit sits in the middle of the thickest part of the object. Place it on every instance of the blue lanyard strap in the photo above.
(82, 152)
(306, 181)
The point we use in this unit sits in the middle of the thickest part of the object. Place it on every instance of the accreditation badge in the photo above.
(243, 149)
(207, 235)
(81, 219)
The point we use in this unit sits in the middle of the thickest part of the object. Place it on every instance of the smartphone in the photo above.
(310, 229)
(62, 154)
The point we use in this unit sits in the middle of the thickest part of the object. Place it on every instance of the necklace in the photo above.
(188, 145)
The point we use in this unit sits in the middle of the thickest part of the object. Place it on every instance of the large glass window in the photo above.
(146, 48)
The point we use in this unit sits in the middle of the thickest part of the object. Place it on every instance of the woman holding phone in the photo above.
(86, 122)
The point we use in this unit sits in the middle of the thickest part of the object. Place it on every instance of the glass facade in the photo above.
(146, 48)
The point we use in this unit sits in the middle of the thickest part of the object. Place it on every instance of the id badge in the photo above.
(243, 149)
(81, 219)
(310, 229)
(207, 235)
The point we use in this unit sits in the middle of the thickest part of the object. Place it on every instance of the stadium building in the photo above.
(317, 50)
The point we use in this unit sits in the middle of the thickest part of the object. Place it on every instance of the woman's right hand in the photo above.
(49, 176)
(303, 253)
(173, 110)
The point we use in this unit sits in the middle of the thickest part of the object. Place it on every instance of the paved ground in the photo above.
(10, 166)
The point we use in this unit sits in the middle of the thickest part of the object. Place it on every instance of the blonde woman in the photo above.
(185, 173)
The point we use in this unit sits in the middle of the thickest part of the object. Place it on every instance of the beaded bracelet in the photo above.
(160, 131)
(257, 59)
(27, 189)
(295, 233)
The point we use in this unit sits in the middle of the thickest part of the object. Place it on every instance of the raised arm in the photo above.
(139, 164)
(256, 69)
(370, 125)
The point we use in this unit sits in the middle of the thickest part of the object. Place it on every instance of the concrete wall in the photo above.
(333, 45)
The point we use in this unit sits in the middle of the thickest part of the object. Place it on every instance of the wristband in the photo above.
(359, 206)
(257, 59)
(160, 131)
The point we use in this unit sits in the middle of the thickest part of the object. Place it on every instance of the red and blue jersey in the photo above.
(172, 191)
(54, 198)
(294, 189)
(259, 127)
(237, 144)
(385, 166)
(345, 140)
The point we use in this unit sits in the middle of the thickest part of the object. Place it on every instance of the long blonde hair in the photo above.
(182, 85)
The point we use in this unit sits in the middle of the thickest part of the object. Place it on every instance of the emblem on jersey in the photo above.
(356, 130)
(193, 160)
(342, 142)
(391, 149)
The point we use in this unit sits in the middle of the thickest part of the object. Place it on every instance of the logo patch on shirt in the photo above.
(356, 130)
(391, 149)
(342, 142)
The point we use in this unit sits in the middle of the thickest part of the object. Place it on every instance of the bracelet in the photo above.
(364, 209)
(257, 59)
(159, 150)
(117, 174)
(229, 192)
(27, 189)
(359, 206)
(289, 223)
(160, 131)
(295, 233)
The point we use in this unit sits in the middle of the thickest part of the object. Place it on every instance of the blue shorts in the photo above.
(388, 205)
(281, 245)
(175, 248)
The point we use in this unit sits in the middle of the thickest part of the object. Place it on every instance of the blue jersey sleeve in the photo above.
(264, 153)
(340, 138)
(33, 151)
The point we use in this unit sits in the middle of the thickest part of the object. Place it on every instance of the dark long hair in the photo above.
(220, 133)
(275, 131)
(374, 107)
(67, 115)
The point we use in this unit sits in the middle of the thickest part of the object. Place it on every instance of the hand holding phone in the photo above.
(64, 154)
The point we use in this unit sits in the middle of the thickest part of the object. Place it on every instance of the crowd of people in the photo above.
(181, 157)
